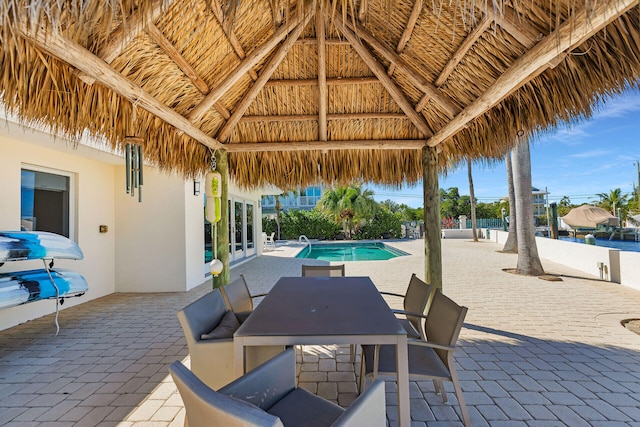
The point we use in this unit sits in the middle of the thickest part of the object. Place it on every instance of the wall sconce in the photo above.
(196, 188)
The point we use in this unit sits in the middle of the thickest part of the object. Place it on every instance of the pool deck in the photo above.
(532, 352)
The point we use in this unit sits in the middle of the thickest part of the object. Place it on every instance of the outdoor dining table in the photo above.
(324, 311)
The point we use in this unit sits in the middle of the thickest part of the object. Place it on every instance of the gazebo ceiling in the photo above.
(299, 92)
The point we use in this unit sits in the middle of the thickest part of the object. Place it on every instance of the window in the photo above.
(45, 203)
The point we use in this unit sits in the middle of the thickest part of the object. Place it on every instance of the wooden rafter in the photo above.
(335, 81)
(177, 57)
(408, 31)
(311, 41)
(231, 35)
(579, 27)
(518, 27)
(264, 76)
(77, 56)
(323, 94)
(378, 69)
(385, 144)
(245, 65)
(130, 29)
(164, 43)
(311, 117)
(402, 66)
(125, 32)
(468, 42)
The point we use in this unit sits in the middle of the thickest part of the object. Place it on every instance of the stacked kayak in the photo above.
(20, 287)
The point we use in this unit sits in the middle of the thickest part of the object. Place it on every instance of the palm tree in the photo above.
(473, 202)
(511, 245)
(348, 204)
(528, 259)
(613, 201)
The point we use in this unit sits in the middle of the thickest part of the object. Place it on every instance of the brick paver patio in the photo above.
(532, 352)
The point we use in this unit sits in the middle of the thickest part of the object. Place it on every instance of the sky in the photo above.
(578, 160)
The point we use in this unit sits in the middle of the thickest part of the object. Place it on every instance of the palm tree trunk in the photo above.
(473, 202)
(511, 245)
(528, 259)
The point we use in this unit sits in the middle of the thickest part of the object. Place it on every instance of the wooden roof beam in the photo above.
(77, 56)
(264, 76)
(231, 35)
(468, 42)
(517, 26)
(402, 66)
(394, 90)
(323, 94)
(580, 26)
(164, 43)
(335, 81)
(245, 65)
(386, 144)
(133, 25)
(408, 31)
(310, 117)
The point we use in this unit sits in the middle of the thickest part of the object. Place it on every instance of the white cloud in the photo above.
(590, 154)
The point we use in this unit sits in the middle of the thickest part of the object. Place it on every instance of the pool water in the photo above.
(360, 251)
(623, 245)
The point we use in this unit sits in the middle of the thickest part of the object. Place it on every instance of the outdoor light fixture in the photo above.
(196, 188)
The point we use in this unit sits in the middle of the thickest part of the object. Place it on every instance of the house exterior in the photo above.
(302, 199)
(157, 245)
(539, 198)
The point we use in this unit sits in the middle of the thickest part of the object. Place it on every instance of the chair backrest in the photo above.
(322, 270)
(416, 300)
(237, 296)
(205, 407)
(201, 316)
(444, 323)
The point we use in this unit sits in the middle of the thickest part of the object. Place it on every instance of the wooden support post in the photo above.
(432, 243)
(222, 166)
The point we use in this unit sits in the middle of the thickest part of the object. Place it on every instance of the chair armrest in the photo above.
(430, 345)
(391, 294)
(266, 384)
(368, 410)
(409, 313)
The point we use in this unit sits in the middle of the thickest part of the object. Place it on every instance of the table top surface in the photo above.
(316, 306)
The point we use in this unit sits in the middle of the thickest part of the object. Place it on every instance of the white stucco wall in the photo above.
(630, 269)
(93, 206)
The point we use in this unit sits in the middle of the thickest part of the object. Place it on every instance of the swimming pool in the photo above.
(351, 251)
(623, 245)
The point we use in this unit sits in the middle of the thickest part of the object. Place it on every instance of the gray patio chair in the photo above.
(208, 328)
(322, 270)
(428, 359)
(326, 271)
(415, 302)
(268, 396)
(238, 297)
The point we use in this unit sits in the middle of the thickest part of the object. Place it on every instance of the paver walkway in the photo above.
(532, 352)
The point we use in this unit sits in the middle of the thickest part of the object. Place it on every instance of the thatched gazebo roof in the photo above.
(302, 91)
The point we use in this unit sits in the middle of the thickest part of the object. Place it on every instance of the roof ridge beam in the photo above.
(77, 56)
(245, 65)
(580, 26)
(381, 144)
(390, 55)
(378, 69)
(265, 74)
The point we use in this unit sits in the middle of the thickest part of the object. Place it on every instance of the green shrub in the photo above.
(383, 223)
(294, 223)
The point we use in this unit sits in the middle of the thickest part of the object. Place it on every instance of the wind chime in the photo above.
(133, 167)
(213, 191)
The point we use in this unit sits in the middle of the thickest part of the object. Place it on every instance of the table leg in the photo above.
(402, 366)
(238, 356)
